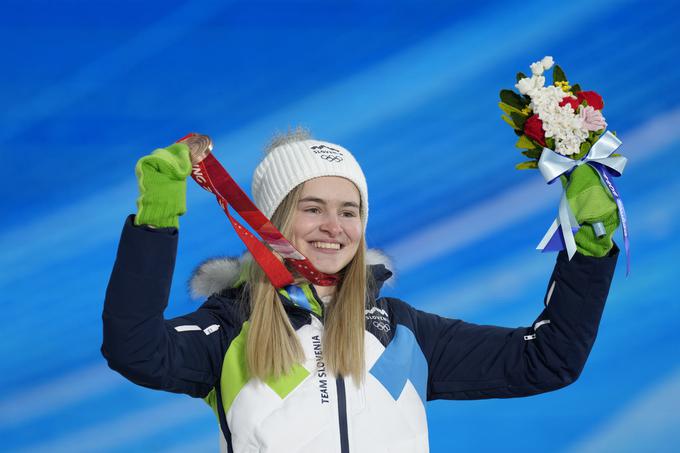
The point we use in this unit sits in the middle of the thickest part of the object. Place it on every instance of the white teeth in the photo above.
(326, 245)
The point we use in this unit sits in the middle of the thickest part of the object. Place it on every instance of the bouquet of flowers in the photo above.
(559, 116)
(561, 126)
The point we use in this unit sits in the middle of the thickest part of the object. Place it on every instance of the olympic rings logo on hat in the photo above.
(328, 153)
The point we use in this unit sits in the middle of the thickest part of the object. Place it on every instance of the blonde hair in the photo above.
(273, 348)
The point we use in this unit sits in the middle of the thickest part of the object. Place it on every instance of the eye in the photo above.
(349, 214)
(313, 210)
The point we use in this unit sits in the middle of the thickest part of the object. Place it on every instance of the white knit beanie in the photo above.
(290, 164)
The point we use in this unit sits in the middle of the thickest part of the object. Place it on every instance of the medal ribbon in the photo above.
(211, 176)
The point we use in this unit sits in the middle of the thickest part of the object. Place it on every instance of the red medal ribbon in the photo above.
(209, 174)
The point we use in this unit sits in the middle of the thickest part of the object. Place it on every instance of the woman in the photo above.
(331, 368)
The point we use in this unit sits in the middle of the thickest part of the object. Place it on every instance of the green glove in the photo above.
(161, 176)
(591, 203)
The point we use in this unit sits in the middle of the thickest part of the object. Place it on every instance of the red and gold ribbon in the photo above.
(211, 176)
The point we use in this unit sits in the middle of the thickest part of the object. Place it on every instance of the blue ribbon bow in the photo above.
(552, 165)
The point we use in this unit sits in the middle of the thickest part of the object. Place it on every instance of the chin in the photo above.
(328, 268)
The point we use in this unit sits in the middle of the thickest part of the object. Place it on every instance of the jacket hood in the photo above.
(217, 274)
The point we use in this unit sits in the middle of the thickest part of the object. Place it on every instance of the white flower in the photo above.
(539, 81)
(547, 63)
(525, 85)
(537, 68)
(529, 85)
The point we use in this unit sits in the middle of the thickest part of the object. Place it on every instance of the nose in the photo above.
(331, 225)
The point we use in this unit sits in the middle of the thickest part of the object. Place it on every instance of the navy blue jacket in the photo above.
(462, 360)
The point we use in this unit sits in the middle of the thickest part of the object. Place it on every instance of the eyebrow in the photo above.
(350, 204)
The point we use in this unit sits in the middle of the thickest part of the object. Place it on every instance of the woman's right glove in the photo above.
(591, 203)
(161, 177)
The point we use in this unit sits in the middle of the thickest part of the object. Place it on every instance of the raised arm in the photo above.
(469, 361)
(182, 355)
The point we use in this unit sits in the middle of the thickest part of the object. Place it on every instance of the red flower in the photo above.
(571, 101)
(592, 99)
(533, 128)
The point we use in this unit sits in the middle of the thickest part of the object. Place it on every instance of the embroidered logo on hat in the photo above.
(328, 153)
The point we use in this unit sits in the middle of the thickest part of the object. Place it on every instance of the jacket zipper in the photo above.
(342, 414)
(340, 387)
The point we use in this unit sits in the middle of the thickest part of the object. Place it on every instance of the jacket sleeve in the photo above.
(182, 355)
(469, 361)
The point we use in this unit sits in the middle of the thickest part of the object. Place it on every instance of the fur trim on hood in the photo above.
(216, 274)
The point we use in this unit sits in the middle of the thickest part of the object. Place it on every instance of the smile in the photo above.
(327, 245)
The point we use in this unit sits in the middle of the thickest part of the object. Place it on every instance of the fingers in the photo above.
(172, 162)
(592, 204)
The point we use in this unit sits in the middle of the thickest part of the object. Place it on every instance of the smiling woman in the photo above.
(326, 367)
(326, 224)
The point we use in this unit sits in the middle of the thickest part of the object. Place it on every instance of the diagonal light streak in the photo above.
(648, 423)
(126, 429)
(59, 392)
(453, 57)
(107, 68)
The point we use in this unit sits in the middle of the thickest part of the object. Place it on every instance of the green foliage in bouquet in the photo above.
(558, 75)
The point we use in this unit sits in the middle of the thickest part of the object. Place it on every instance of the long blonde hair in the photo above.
(273, 348)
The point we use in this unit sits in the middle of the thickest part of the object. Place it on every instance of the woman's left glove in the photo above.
(161, 177)
(591, 203)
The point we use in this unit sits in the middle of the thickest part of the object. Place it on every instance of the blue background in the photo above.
(411, 88)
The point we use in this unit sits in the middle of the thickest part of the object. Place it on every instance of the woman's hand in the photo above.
(161, 177)
(591, 203)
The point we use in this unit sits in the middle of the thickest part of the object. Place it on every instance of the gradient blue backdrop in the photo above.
(411, 88)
